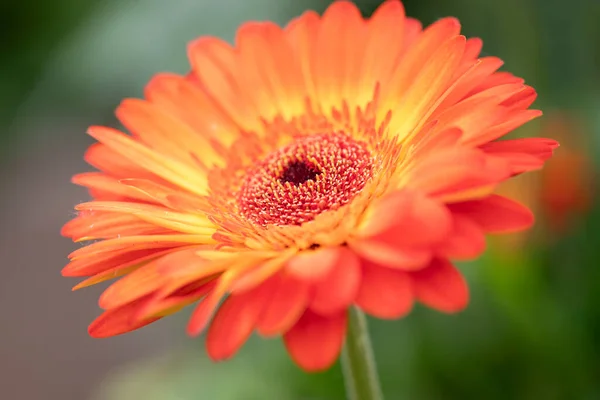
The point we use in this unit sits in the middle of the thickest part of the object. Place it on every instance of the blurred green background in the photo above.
(532, 330)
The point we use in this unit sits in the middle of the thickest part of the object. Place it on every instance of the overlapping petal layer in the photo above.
(417, 115)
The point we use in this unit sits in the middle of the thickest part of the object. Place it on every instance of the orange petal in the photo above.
(498, 78)
(180, 97)
(157, 215)
(391, 256)
(384, 292)
(472, 49)
(107, 275)
(141, 242)
(160, 306)
(158, 163)
(338, 54)
(114, 164)
(108, 184)
(301, 34)
(288, 301)
(459, 174)
(235, 320)
(412, 32)
(465, 83)
(216, 66)
(314, 264)
(465, 242)
(418, 53)
(496, 214)
(164, 132)
(315, 342)
(255, 276)
(137, 284)
(162, 194)
(521, 100)
(406, 219)
(441, 286)
(510, 123)
(477, 113)
(337, 290)
(523, 153)
(383, 47)
(271, 74)
(101, 262)
(206, 307)
(107, 225)
(119, 320)
(425, 90)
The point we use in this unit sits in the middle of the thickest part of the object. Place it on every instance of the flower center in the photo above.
(298, 172)
(311, 175)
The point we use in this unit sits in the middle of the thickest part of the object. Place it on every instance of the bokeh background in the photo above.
(532, 330)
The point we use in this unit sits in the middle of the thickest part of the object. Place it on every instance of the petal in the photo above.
(338, 54)
(205, 309)
(288, 301)
(384, 292)
(525, 154)
(255, 276)
(156, 215)
(470, 78)
(301, 33)
(160, 306)
(314, 264)
(102, 183)
(140, 242)
(108, 225)
(114, 164)
(383, 47)
(271, 74)
(441, 286)
(418, 53)
(315, 342)
(101, 262)
(496, 214)
(137, 284)
(235, 320)
(465, 242)
(459, 174)
(508, 124)
(425, 89)
(477, 113)
(119, 320)
(391, 256)
(215, 65)
(337, 290)
(170, 169)
(163, 132)
(178, 96)
(497, 78)
(408, 219)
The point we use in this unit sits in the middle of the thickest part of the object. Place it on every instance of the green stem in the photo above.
(358, 362)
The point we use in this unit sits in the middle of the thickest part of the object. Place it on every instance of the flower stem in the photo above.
(358, 362)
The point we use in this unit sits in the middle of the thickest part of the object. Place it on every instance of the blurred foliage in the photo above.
(533, 327)
(32, 31)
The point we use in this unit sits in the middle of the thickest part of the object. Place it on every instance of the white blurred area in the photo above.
(45, 352)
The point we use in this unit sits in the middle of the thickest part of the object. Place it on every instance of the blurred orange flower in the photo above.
(564, 189)
(338, 161)
(567, 183)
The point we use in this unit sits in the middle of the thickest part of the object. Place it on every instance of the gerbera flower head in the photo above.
(336, 162)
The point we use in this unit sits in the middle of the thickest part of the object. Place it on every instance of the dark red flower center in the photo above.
(301, 180)
(298, 172)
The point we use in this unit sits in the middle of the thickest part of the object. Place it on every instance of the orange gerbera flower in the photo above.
(337, 161)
